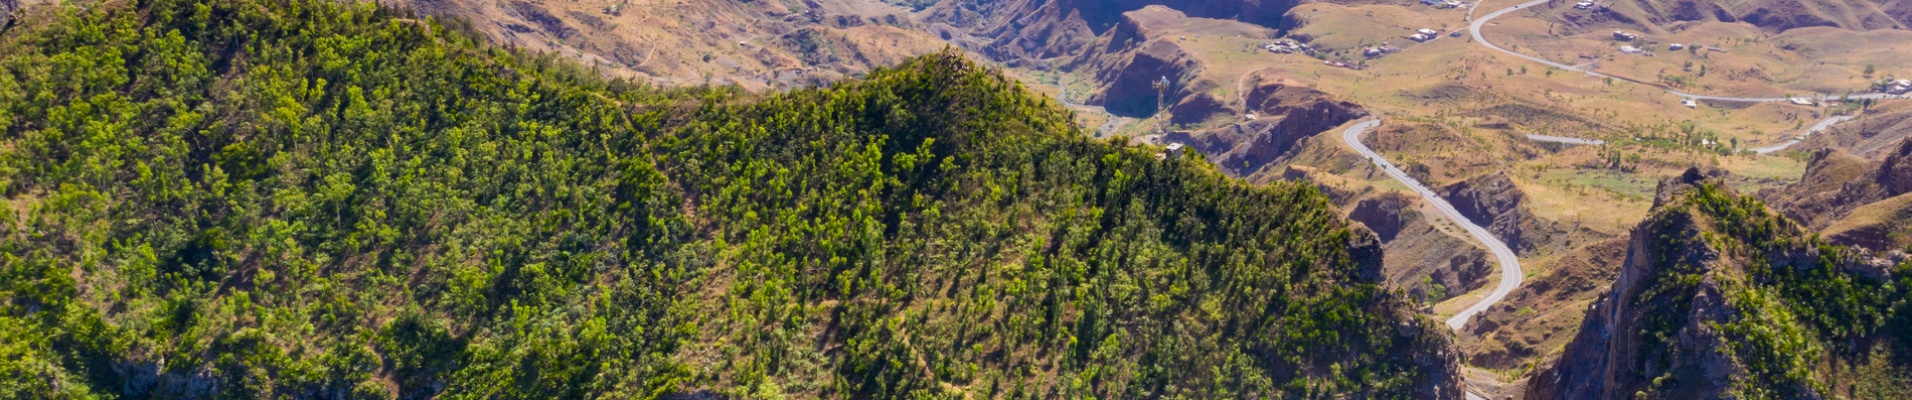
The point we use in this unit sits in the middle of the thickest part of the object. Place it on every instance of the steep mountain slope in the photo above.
(759, 45)
(304, 198)
(1871, 136)
(1022, 32)
(1777, 15)
(1720, 298)
(1294, 116)
(1422, 259)
(1836, 184)
(1538, 319)
(1495, 203)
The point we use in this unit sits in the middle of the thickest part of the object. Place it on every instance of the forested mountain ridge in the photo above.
(1720, 297)
(306, 198)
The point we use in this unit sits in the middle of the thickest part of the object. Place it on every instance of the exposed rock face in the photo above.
(1493, 202)
(1292, 115)
(1023, 31)
(1417, 250)
(1541, 316)
(1610, 358)
(758, 45)
(8, 9)
(1130, 83)
(1145, 48)
(1781, 15)
(1870, 137)
(1835, 184)
(1721, 298)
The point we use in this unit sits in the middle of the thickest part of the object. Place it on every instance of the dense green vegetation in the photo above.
(1803, 322)
(305, 198)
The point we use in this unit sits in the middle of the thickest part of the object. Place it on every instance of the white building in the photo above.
(1676, 46)
(1631, 50)
(1429, 32)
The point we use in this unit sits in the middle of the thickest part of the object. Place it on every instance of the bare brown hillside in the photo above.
(1770, 15)
(758, 45)
(1428, 262)
(1869, 137)
(1028, 31)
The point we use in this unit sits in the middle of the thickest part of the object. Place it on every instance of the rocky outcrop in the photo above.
(1611, 356)
(1494, 202)
(1721, 298)
(1418, 250)
(1543, 314)
(1026, 32)
(1781, 15)
(1291, 117)
(1835, 184)
(1871, 136)
(1145, 48)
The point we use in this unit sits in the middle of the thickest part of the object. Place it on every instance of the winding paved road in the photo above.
(1827, 123)
(1482, 40)
(1567, 140)
(1510, 274)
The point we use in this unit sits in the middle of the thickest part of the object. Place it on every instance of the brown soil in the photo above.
(1835, 184)
(1538, 319)
(756, 45)
(1870, 136)
(1290, 117)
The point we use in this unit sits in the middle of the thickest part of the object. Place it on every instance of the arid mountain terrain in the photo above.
(1261, 89)
(757, 45)
(1605, 143)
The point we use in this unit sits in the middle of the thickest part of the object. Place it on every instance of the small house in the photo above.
(1676, 47)
(1457, 33)
(1689, 103)
(1429, 32)
(1174, 150)
(1800, 101)
(1624, 36)
(1631, 50)
(1419, 37)
(1583, 5)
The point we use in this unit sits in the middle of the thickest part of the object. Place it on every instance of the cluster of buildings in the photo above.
(1424, 35)
(1286, 46)
(1890, 86)
(1378, 51)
